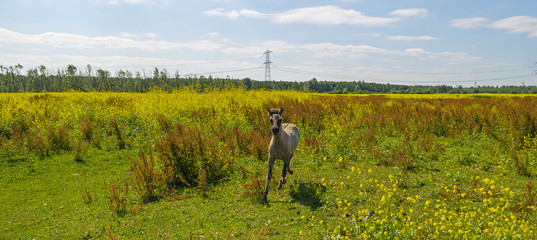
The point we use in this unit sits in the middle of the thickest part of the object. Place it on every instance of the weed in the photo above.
(109, 235)
(312, 143)
(242, 140)
(254, 190)
(521, 165)
(87, 127)
(118, 201)
(120, 134)
(258, 146)
(40, 145)
(203, 185)
(146, 178)
(86, 195)
(529, 200)
(164, 123)
(58, 138)
(81, 147)
(178, 155)
(255, 234)
(184, 151)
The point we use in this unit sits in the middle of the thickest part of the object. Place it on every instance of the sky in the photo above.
(410, 42)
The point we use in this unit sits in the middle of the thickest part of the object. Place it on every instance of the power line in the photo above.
(227, 71)
(176, 65)
(292, 70)
(284, 59)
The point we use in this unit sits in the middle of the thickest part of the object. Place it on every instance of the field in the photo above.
(191, 165)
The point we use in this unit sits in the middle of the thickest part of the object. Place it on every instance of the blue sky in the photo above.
(409, 42)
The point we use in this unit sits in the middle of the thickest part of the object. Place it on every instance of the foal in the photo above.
(282, 146)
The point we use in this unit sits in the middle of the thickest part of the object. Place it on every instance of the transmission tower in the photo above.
(267, 64)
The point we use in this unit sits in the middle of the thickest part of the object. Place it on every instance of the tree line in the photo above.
(41, 79)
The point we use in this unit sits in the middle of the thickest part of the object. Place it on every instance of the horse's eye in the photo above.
(271, 120)
(279, 121)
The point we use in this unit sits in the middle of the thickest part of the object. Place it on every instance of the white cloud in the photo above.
(415, 52)
(367, 34)
(219, 12)
(469, 22)
(323, 15)
(411, 38)
(251, 13)
(114, 63)
(119, 2)
(127, 35)
(349, 51)
(49, 44)
(134, 1)
(233, 14)
(330, 15)
(515, 24)
(124, 41)
(322, 50)
(150, 35)
(213, 34)
(136, 36)
(457, 57)
(410, 12)
(362, 51)
(518, 24)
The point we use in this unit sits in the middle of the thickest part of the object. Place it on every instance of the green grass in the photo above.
(44, 199)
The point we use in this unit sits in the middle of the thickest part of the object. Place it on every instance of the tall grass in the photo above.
(198, 125)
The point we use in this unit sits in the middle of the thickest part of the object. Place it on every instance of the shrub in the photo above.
(185, 151)
(58, 138)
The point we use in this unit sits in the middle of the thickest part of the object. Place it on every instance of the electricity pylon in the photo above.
(267, 64)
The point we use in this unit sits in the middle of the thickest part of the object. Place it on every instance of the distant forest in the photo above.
(41, 79)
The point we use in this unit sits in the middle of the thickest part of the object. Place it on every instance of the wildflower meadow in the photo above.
(191, 164)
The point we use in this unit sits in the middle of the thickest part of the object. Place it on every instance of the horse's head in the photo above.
(275, 119)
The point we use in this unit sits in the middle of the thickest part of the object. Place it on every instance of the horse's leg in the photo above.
(284, 172)
(269, 177)
(289, 164)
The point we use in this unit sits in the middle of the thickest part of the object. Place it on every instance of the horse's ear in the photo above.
(281, 111)
(269, 112)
